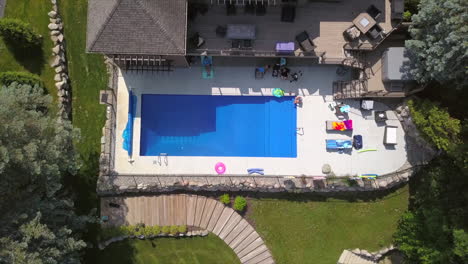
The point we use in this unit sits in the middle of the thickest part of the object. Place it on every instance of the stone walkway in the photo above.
(191, 210)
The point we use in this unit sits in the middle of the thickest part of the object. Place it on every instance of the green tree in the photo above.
(37, 223)
(439, 45)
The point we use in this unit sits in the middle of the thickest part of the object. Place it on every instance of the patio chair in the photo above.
(236, 44)
(373, 11)
(246, 44)
(339, 125)
(352, 33)
(230, 9)
(375, 32)
(305, 42)
(260, 9)
(288, 13)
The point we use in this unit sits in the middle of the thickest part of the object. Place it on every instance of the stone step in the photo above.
(214, 218)
(200, 207)
(254, 253)
(269, 260)
(259, 258)
(233, 221)
(191, 206)
(250, 248)
(251, 238)
(236, 231)
(242, 236)
(209, 208)
(223, 219)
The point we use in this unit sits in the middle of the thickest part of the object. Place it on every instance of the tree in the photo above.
(19, 33)
(439, 45)
(37, 223)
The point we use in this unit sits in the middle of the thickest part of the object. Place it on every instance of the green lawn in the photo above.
(196, 250)
(301, 231)
(88, 75)
(32, 60)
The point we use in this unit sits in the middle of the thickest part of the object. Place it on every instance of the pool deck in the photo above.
(315, 86)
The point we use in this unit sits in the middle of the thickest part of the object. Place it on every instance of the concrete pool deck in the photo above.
(316, 87)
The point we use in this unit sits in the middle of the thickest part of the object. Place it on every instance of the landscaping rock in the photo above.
(55, 62)
(326, 169)
(53, 20)
(56, 49)
(54, 2)
(59, 69)
(52, 14)
(54, 39)
(57, 78)
(53, 26)
(60, 37)
(383, 183)
(54, 32)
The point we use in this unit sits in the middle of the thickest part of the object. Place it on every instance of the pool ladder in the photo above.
(162, 157)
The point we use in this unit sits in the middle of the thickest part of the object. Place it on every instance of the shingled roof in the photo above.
(157, 27)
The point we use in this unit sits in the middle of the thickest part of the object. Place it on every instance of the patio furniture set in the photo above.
(366, 24)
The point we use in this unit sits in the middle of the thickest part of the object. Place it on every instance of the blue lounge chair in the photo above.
(338, 144)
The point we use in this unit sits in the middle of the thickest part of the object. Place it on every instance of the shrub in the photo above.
(173, 229)
(407, 16)
(435, 123)
(7, 78)
(240, 203)
(128, 230)
(225, 199)
(182, 229)
(148, 231)
(166, 229)
(156, 230)
(19, 32)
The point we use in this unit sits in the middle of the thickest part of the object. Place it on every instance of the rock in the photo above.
(204, 233)
(326, 169)
(60, 37)
(57, 78)
(54, 39)
(399, 108)
(52, 14)
(55, 62)
(59, 69)
(276, 186)
(54, 32)
(54, 7)
(56, 49)
(53, 26)
(53, 20)
(383, 183)
(356, 251)
(54, 2)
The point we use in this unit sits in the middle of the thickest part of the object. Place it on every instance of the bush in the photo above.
(182, 229)
(240, 203)
(435, 123)
(166, 229)
(407, 16)
(155, 230)
(225, 199)
(173, 230)
(7, 78)
(19, 32)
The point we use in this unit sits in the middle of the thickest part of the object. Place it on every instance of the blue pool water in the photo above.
(231, 126)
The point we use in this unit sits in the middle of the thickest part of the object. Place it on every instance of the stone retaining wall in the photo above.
(59, 62)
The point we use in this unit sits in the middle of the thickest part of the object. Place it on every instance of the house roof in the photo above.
(157, 27)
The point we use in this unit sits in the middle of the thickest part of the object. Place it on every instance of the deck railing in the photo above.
(253, 53)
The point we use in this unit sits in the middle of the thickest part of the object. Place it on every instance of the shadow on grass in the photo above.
(31, 58)
(120, 252)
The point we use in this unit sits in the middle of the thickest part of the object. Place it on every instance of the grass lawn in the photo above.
(301, 231)
(37, 60)
(196, 250)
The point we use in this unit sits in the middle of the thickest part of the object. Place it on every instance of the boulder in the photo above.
(54, 32)
(54, 39)
(383, 183)
(57, 78)
(52, 14)
(326, 169)
(56, 49)
(60, 37)
(59, 69)
(54, 2)
(53, 20)
(55, 62)
(53, 26)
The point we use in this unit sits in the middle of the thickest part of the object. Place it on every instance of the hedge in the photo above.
(19, 32)
(7, 78)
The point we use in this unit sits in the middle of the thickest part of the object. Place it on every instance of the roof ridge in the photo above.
(111, 14)
(156, 21)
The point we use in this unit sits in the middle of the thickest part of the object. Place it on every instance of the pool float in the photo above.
(278, 92)
(220, 168)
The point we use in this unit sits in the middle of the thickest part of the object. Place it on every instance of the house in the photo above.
(162, 35)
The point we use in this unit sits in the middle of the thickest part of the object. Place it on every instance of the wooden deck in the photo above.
(324, 21)
(191, 210)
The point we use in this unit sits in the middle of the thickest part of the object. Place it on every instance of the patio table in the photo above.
(364, 22)
(240, 31)
(285, 47)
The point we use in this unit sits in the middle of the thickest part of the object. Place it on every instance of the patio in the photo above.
(315, 86)
(324, 21)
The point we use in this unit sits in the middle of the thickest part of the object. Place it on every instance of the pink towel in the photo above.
(348, 124)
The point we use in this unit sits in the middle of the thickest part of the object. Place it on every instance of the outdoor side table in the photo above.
(240, 31)
(380, 116)
(364, 22)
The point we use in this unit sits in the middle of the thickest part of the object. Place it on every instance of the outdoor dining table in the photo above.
(364, 22)
(240, 31)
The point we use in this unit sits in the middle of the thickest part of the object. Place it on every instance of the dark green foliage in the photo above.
(174, 230)
(182, 229)
(19, 33)
(435, 123)
(412, 6)
(438, 47)
(166, 229)
(7, 78)
(240, 203)
(225, 199)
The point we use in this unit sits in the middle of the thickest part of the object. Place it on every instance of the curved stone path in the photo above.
(191, 210)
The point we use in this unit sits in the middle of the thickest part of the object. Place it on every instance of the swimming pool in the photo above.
(230, 126)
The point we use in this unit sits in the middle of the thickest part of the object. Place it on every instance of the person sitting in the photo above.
(284, 73)
(276, 69)
(298, 101)
(295, 76)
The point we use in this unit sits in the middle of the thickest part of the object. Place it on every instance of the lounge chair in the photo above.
(375, 32)
(305, 42)
(339, 144)
(390, 137)
(340, 125)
